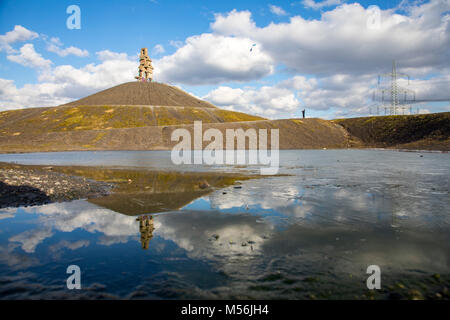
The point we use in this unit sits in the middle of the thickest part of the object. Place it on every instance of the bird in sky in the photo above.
(251, 49)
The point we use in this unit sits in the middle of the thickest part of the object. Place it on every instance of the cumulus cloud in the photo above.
(336, 91)
(64, 83)
(266, 101)
(55, 46)
(341, 42)
(105, 55)
(343, 56)
(158, 49)
(318, 5)
(115, 68)
(429, 89)
(30, 95)
(58, 248)
(32, 238)
(72, 245)
(277, 10)
(346, 95)
(286, 97)
(234, 23)
(212, 59)
(10, 257)
(19, 33)
(29, 57)
(176, 43)
(234, 228)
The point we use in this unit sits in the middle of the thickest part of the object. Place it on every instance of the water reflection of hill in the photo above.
(138, 191)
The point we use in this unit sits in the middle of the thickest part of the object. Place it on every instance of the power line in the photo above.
(395, 94)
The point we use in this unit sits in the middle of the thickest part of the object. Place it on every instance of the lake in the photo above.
(308, 233)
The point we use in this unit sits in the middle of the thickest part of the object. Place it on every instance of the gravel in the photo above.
(24, 186)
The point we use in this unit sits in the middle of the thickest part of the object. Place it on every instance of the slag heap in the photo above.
(145, 67)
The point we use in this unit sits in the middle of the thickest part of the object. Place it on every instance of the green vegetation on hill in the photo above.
(66, 118)
(426, 131)
(293, 134)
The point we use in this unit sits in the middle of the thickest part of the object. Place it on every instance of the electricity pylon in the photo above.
(393, 91)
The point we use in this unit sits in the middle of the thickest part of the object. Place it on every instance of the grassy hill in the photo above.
(129, 105)
(426, 131)
(68, 118)
(294, 134)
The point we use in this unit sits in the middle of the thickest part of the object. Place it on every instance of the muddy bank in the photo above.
(128, 191)
(27, 186)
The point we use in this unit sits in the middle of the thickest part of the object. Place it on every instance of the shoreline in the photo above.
(111, 187)
(23, 186)
(140, 150)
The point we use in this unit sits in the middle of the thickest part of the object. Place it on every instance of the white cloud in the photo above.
(69, 245)
(234, 23)
(340, 94)
(341, 42)
(212, 59)
(277, 10)
(114, 68)
(105, 55)
(32, 238)
(69, 216)
(318, 5)
(29, 57)
(436, 88)
(158, 49)
(176, 43)
(55, 44)
(64, 83)
(342, 56)
(30, 95)
(266, 101)
(337, 91)
(53, 40)
(288, 96)
(19, 33)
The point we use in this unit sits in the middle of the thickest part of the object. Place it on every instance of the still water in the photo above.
(310, 233)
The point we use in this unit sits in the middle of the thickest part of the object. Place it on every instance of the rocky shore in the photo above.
(28, 185)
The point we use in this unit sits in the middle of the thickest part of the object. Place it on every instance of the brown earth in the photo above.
(293, 134)
(142, 93)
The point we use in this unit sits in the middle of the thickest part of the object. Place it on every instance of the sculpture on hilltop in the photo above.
(145, 67)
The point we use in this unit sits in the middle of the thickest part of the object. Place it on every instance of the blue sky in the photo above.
(203, 47)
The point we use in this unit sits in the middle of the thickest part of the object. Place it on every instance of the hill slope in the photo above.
(65, 118)
(425, 131)
(294, 134)
(142, 93)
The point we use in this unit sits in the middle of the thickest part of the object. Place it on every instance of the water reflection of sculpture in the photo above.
(146, 229)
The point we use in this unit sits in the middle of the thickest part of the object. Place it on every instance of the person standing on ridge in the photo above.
(303, 112)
